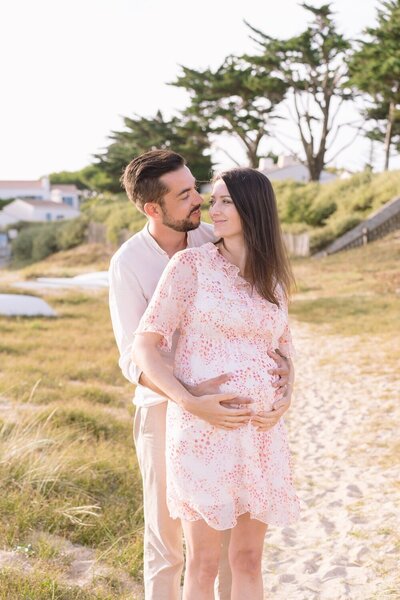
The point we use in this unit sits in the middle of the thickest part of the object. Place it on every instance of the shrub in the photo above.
(320, 238)
(37, 241)
(320, 211)
(72, 233)
(44, 243)
(21, 246)
(341, 226)
(361, 201)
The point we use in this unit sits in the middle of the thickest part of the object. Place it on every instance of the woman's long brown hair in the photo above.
(267, 262)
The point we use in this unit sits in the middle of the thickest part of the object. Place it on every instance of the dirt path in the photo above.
(345, 545)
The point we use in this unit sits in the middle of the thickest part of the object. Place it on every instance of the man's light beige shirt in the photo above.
(134, 272)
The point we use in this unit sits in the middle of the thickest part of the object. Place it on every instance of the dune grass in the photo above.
(38, 586)
(68, 465)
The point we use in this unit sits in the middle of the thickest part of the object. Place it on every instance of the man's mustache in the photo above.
(194, 209)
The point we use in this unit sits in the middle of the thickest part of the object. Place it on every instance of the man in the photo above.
(162, 187)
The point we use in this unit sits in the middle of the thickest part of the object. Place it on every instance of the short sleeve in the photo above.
(285, 342)
(174, 294)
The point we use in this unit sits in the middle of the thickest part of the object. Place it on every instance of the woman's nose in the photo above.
(214, 209)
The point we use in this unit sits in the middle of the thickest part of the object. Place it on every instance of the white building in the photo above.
(67, 194)
(35, 211)
(289, 167)
(40, 190)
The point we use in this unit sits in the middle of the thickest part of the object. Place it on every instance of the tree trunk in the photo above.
(253, 159)
(388, 134)
(314, 168)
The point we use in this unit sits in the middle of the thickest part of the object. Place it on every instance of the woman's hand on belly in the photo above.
(212, 409)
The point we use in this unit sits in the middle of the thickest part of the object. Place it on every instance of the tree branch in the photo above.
(228, 155)
(293, 152)
(335, 114)
(344, 146)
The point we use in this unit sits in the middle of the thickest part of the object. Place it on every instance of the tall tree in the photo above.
(88, 178)
(375, 70)
(180, 134)
(313, 67)
(233, 99)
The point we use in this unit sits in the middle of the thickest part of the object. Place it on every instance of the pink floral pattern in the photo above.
(224, 327)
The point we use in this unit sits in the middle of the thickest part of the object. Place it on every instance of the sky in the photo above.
(71, 69)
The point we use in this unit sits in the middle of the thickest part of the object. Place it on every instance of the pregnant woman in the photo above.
(229, 303)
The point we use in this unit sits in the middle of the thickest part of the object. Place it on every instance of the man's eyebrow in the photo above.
(186, 189)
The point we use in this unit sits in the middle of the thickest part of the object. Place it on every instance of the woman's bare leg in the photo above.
(245, 554)
(203, 547)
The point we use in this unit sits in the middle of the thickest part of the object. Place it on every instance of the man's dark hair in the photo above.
(141, 178)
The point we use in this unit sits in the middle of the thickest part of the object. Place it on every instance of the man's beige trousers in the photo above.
(163, 548)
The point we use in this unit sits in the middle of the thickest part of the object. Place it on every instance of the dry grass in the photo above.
(354, 293)
(68, 465)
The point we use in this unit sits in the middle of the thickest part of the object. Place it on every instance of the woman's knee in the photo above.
(204, 565)
(246, 560)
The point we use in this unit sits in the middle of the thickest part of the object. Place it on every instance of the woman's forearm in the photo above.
(147, 356)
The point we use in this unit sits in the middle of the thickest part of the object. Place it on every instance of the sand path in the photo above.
(345, 545)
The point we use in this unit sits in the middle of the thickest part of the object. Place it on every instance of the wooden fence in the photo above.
(297, 244)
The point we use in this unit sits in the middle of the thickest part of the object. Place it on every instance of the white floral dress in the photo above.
(224, 327)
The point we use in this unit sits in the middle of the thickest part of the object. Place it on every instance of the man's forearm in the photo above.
(157, 373)
(146, 382)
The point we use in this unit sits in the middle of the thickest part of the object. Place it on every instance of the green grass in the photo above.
(352, 315)
(68, 464)
(39, 586)
(352, 293)
(71, 481)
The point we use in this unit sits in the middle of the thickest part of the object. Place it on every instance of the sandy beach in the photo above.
(342, 423)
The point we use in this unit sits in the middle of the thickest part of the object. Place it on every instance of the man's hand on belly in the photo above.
(263, 421)
(282, 371)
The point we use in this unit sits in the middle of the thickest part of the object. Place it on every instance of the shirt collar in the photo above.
(151, 241)
(191, 239)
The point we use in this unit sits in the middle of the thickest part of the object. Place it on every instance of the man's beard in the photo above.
(181, 225)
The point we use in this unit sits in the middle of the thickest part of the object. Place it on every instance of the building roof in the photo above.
(21, 184)
(64, 187)
(45, 204)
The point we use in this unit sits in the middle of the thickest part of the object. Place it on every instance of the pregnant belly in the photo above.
(248, 372)
(250, 383)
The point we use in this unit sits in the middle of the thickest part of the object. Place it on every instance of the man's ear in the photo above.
(152, 209)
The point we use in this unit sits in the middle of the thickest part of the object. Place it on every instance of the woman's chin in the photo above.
(218, 231)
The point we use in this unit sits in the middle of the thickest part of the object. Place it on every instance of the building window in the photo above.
(68, 200)
(59, 217)
(48, 216)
